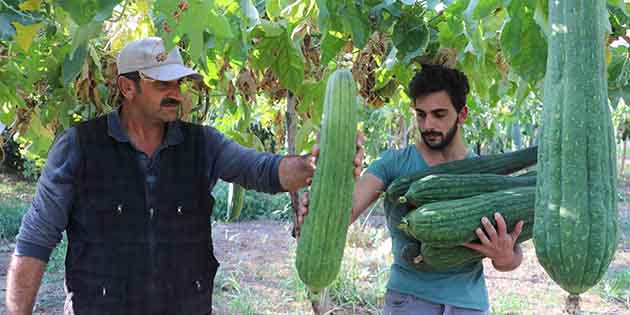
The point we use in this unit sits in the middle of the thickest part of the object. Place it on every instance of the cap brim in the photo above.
(171, 72)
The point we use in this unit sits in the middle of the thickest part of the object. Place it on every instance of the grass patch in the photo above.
(615, 287)
(11, 212)
(256, 206)
(11, 187)
(238, 300)
(360, 285)
(13, 204)
(509, 304)
(56, 263)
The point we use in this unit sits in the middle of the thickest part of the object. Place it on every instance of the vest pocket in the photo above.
(183, 222)
(195, 294)
(117, 222)
(94, 295)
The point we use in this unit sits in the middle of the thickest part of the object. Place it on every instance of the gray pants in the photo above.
(397, 303)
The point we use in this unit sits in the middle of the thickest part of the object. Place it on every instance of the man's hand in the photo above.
(302, 210)
(300, 214)
(499, 245)
(358, 158)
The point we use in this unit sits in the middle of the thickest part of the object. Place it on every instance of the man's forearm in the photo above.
(294, 171)
(23, 281)
(366, 192)
(516, 261)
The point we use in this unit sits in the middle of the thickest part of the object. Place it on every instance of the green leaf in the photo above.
(457, 7)
(323, 16)
(7, 18)
(313, 99)
(273, 8)
(175, 21)
(40, 135)
(618, 3)
(522, 92)
(218, 24)
(403, 72)
(541, 16)
(355, 22)
(331, 44)
(618, 20)
(271, 29)
(238, 136)
(7, 109)
(25, 34)
(411, 37)
(619, 69)
(451, 34)
(285, 61)
(250, 14)
(85, 33)
(523, 43)
(72, 64)
(86, 11)
(302, 136)
(479, 9)
(390, 6)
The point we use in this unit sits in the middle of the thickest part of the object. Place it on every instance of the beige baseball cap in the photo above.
(149, 57)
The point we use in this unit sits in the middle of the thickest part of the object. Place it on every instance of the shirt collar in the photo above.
(115, 130)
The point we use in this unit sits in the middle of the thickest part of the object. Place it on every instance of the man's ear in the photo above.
(462, 115)
(127, 87)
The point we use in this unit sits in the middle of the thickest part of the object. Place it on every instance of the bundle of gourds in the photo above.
(447, 203)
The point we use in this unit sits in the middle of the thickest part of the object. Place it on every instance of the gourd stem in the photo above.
(320, 302)
(573, 305)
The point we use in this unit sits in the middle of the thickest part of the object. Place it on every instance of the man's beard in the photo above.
(446, 140)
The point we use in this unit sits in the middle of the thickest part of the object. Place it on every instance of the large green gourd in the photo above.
(440, 187)
(453, 222)
(576, 224)
(427, 258)
(323, 235)
(503, 163)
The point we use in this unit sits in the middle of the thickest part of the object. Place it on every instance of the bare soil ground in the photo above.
(257, 274)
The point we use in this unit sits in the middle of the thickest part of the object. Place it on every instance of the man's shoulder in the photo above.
(397, 161)
(68, 135)
(398, 154)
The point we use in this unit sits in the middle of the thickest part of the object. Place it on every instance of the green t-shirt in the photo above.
(462, 286)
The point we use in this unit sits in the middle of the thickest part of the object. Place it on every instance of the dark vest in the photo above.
(129, 257)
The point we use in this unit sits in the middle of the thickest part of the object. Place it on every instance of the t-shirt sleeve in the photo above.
(382, 167)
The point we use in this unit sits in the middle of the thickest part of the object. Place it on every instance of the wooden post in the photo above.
(291, 126)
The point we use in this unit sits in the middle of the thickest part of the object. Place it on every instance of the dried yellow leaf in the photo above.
(25, 34)
(30, 5)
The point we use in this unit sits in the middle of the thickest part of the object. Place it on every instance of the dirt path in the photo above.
(257, 275)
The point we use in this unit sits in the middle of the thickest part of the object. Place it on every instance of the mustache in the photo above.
(431, 133)
(169, 101)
